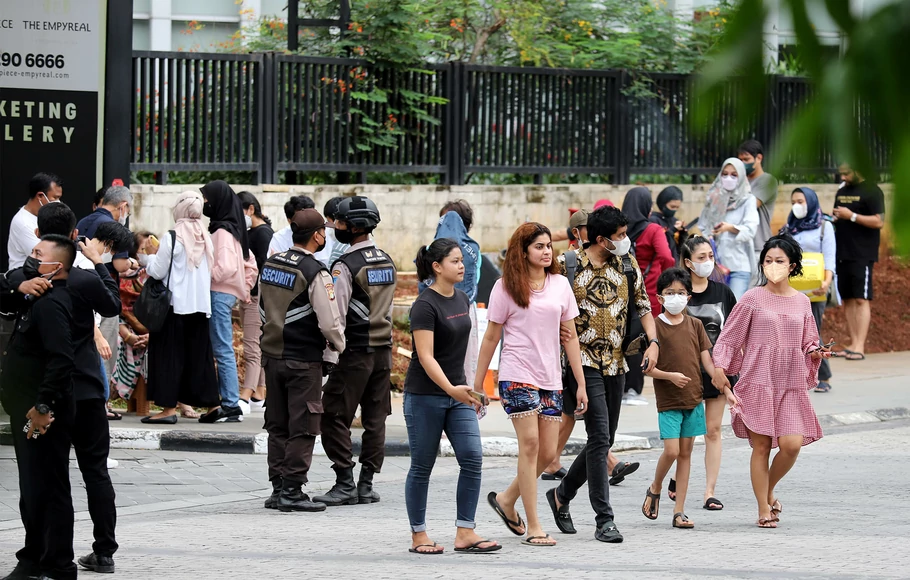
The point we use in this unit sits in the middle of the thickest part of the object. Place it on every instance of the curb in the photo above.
(211, 442)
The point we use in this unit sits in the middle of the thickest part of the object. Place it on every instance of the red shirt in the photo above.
(652, 250)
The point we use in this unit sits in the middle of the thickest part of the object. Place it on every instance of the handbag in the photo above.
(154, 301)
(635, 341)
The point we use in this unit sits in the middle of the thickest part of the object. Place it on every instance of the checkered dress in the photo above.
(766, 341)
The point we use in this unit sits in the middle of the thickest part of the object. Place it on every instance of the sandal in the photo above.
(529, 541)
(671, 489)
(621, 471)
(776, 509)
(556, 475)
(841, 353)
(823, 387)
(188, 412)
(853, 355)
(491, 499)
(681, 520)
(713, 504)
(766, 523)
(475, 547)
(112, 416)
(651, 513)
(417, 549)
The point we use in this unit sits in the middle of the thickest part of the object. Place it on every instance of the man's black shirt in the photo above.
(38, 362)
(90, 292)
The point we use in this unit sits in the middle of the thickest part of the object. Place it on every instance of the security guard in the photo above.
(300, 317)
(365, 279)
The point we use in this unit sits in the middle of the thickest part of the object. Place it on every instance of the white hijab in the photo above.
(718, 201)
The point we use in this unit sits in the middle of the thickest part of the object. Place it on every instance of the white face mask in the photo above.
(248, 220)
(728, 182)
(800, 210)
(49, 200)
(621, 248)
(676, 303)
(106, 258)
(702, 269)
(143, 259)
(123, 217)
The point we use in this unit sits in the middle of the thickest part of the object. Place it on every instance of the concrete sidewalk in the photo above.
(863, 392)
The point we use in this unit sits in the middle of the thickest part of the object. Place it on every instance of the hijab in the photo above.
(718, 201)
(190, 233)
(637, 207)
(225, 212)
(814, 218)
(668, 194)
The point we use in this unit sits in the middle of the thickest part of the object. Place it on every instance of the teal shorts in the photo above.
(680, 424)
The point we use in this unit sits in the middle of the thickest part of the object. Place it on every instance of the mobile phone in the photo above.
(830, 344)
(481, 398)
(153, 241)
(644, 363)
(83, 239)
(28, 425)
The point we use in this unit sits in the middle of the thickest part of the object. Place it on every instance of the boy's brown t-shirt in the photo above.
(681, 346)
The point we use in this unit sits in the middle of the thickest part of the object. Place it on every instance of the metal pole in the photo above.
(293, 25)
(118, 96)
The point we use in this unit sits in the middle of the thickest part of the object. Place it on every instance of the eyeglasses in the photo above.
(674, 293)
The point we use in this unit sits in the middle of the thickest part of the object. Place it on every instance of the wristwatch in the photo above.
(853, 217)
(42, 409)
(654, 341)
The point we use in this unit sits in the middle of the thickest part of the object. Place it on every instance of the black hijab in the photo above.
(225, 212)
(637, 207)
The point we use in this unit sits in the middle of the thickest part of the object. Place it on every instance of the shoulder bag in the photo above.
(154, 301)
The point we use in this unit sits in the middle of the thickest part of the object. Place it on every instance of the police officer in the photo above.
(300, 317)
(365, 279)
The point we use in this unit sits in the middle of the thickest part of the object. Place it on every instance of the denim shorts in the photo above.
(523, 400)
(682, 423)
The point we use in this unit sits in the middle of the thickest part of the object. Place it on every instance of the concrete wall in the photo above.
(410, 212)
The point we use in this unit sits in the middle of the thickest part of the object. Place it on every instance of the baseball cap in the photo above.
(579, 219)
(603, 203)
(309, 220)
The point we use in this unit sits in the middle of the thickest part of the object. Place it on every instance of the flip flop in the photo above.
(529, 541)
(476, 549)
(558, 474)
(853, 355)
(713, 504)
(621, 471)
(491, 499)
(112, 416)
(841, 353)
(427, 552)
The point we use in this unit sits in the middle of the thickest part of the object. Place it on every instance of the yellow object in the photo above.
(813, 276)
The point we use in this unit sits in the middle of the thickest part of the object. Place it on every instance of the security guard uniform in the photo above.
(300, 318)
(365, 279)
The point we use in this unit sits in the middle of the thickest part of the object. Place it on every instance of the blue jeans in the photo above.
(105, 380)
(739, 283)
(221, 331)
(427, 416)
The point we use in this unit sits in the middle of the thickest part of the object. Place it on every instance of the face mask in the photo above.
(750, 167)
(702, 269)
(207, 209)
(668, 213)
(800, 210)
(622, 247)
(248, 220)
(344, 236)
(123, 217)
(776, 272)
(676, 303)
(728, 182)
(322, 245)
(49, 200)
(106, 258)
(31, 265)
(143, 259)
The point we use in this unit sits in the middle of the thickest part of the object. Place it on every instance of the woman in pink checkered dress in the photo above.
(771, 342)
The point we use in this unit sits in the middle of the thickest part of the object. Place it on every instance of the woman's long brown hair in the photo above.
(515, 275)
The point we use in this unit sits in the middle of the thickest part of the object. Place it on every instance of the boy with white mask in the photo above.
(685, 349)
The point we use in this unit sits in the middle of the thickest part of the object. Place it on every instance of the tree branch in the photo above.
(484, 35)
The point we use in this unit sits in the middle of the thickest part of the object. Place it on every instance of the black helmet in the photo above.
(358, 211)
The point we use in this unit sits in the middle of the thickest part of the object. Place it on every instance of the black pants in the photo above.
(818, 312)
(361, 378)
(92, 442)
(635, 378)
(293, 416)
(45, 497)
(601, 419)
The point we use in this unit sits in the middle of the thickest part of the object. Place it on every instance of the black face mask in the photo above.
(207, 209)
(30, 268)
(668, 213)
(345, 236)
(322, 245)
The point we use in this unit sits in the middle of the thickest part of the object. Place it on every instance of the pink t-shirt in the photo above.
(530, 349)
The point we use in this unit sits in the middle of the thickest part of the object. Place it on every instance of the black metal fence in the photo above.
(270, 113)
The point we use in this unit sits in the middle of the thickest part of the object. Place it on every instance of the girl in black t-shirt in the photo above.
(437, 400)
(711, 303)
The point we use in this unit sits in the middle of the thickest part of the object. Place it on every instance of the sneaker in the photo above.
(257, 406)
(633, 399)
(244, 407)
(112, 463)
(608, 533)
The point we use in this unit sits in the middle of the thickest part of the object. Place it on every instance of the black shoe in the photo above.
(96, 563)
(169, 420)
(44, 577)
(560, 514)
(365, 492)
(222, 415)
(344, 492)
(608, 533)
(272, 502)
(556, 475)
(23, 571)
(292, 499)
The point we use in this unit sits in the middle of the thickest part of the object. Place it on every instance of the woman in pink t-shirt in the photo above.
(527, 307)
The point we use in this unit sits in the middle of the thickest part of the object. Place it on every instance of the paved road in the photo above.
(199, 516)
